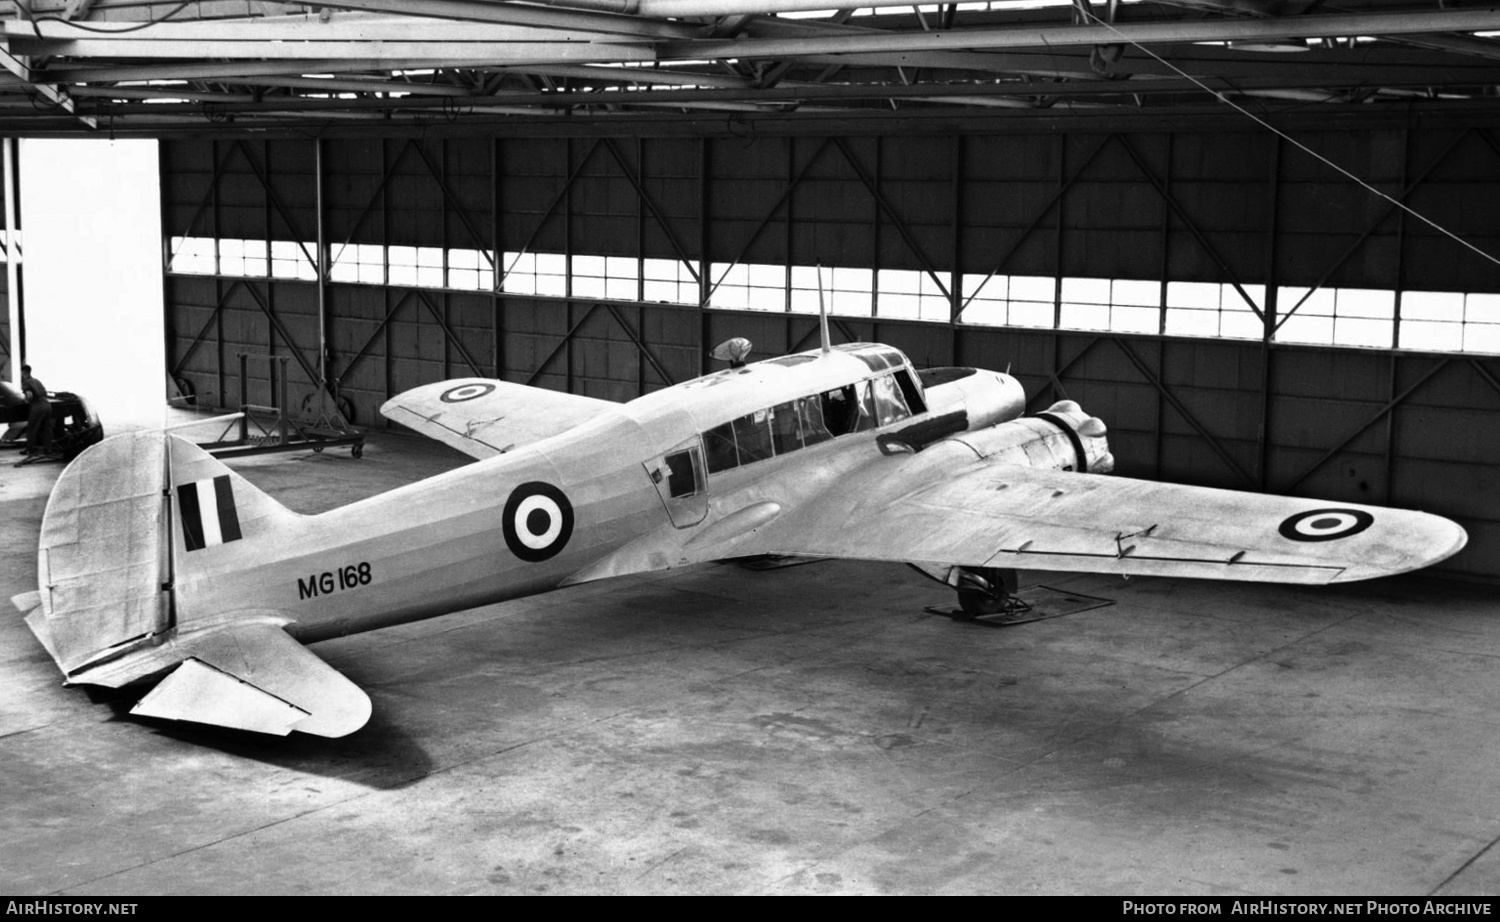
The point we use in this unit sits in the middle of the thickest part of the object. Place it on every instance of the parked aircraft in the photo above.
(158, 563)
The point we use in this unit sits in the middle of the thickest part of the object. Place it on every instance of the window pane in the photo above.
(840, 410)
(752, 434)
(718, 445)
(814, 430)
(786, 432)
(1087, 291)
(888, 403)
(1126, 319)
(1140, 294)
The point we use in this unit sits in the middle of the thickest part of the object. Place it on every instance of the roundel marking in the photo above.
(538, 520)
(1325, 524)
(465, 392)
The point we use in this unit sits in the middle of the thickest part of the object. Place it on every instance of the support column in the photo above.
(12, 263)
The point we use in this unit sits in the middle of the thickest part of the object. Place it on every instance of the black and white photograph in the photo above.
(1019, 448)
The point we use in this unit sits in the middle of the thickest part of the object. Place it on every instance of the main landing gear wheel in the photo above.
(985, 591)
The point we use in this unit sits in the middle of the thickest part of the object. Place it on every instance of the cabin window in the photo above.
(752, 434)
(911, 392)
(814, 430)
(786, 430)
(840, 410)
(718, 444)
(886, 401)
(682, 474)
(868, 415)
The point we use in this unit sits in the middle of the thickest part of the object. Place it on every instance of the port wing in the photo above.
(482, 417)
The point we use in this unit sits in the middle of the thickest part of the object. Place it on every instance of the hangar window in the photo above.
(194, 255)
(1450, 321)
(846, 291)
(1212, 309)
(1118, 305)
(747, 286)
(535, 274)
(613, 277)
(470, 270)
(669, 280)
(416, 266)
(242, 257)
(909, 295)
(358, 262)
(290, 260)
(1336, 316)
(1014, 300)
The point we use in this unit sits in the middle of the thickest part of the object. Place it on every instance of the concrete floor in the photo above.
(803, 730)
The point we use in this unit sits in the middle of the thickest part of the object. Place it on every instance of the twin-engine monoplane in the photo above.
(159, 564)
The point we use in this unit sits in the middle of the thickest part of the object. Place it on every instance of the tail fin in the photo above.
(125, 521)
(137, 531)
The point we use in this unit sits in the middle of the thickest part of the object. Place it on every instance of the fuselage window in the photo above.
(718, 444)
(682, 478)
(888, 404)
(786, 430)
(910, 391)
(868, 414)
(789, 426)
(814, 430)
(752, 434)
(840, 410)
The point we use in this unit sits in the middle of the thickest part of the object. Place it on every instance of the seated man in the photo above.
(39, 416)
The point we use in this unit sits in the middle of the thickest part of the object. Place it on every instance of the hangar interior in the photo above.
(1259, 239)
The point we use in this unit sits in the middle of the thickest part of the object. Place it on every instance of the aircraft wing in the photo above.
(483, 417)
(989, 515)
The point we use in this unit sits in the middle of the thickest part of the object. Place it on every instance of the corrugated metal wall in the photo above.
(1369, 425)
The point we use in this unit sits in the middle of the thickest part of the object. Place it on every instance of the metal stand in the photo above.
(284, 433)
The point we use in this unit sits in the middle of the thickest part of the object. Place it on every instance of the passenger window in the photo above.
(718, 445)
(888, 404)
(814, 430)
(867, 412)
(752, 434)
(786, 432)
(840, 410)
(910, 391)
(682, 475)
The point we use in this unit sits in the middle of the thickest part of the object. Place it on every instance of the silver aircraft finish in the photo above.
(159, 564)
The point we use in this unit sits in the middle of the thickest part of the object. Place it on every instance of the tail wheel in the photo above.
(985, 590)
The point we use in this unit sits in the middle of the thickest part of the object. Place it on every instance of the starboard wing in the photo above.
(483, 417)
(1009, 516)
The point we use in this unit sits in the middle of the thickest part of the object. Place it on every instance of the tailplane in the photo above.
(136, 528)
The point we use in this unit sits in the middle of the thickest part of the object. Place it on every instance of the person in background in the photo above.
(39, 417)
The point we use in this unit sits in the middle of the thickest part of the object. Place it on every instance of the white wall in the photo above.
(92, 277)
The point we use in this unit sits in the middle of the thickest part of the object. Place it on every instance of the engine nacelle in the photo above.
(1063, 438)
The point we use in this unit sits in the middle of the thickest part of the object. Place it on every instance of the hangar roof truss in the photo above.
(223, 66)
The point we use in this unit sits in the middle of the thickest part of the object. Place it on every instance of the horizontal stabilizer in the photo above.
(255, 676)
(200, 693)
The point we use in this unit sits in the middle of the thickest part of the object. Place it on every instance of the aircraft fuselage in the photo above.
(636, 486)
